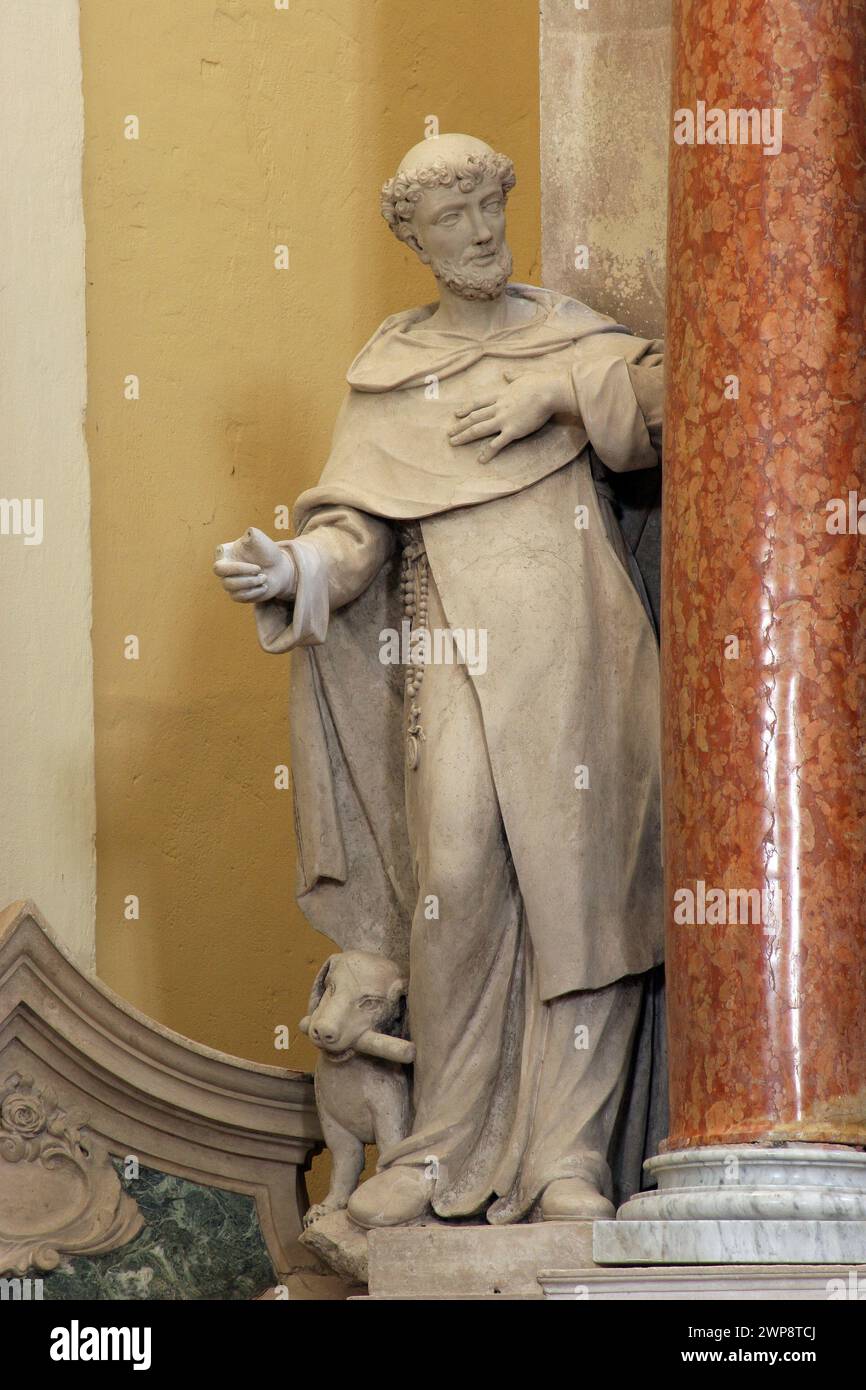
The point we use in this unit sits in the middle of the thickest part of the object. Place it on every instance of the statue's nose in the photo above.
(480, 230)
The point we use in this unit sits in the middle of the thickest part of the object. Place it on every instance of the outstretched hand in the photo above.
(522, 406)
(254, 568)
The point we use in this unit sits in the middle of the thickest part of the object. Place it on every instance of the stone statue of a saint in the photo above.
(475, 711)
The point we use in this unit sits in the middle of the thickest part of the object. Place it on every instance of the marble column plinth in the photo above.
(790, 1204)
(697, 1284)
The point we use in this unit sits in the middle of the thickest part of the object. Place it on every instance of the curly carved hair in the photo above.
(401, 194)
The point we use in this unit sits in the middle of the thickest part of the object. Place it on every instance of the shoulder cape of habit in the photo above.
(391, 455)
(401, 353)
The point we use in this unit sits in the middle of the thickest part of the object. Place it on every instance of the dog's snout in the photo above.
(322, 1035)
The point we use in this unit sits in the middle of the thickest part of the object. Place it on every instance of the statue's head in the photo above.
(447, 201)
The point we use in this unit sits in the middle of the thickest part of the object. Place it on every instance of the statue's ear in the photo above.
(414, 244)
(319, 986)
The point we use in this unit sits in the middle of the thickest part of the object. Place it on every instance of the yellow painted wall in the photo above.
(258, 126)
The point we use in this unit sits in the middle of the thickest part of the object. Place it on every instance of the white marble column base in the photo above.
(729, 1242)
(747, 1204)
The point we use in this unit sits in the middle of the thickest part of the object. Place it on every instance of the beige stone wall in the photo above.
(605, 76)
(258, 127)
(47, 800)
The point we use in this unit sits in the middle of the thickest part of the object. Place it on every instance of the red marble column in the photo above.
(764, 607)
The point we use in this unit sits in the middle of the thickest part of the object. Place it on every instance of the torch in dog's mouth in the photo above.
(342, 1056)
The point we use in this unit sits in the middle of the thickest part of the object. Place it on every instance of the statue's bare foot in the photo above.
(575, 1199)
(393, 1198)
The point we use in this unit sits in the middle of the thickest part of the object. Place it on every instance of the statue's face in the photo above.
(461, 236)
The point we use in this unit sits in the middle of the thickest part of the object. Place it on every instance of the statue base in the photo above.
(439, 1260)
(446, 1259)
(340, 1245)
(473, 1261)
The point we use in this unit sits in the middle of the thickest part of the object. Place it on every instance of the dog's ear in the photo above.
(397, 996)
(397, 991)
(319, 986)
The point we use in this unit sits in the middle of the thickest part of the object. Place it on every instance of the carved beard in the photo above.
(475, 282)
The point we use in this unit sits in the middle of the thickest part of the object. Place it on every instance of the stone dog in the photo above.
(356, 1010)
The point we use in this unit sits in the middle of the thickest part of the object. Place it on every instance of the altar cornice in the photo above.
(138, 1088)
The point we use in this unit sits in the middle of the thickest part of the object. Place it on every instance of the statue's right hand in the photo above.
(254, 568)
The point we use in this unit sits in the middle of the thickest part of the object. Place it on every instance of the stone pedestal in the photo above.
(473, 1261)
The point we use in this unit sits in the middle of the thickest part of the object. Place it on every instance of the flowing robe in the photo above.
(527, 551)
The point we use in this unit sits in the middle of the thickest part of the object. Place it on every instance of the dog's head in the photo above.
(354, 992)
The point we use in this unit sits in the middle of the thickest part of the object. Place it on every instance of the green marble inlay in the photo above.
(197, 1243)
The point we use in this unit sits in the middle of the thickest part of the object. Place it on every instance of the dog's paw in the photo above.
(320, 1209)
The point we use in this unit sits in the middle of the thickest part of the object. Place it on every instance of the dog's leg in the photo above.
(392, 1116)
(347, 1164)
